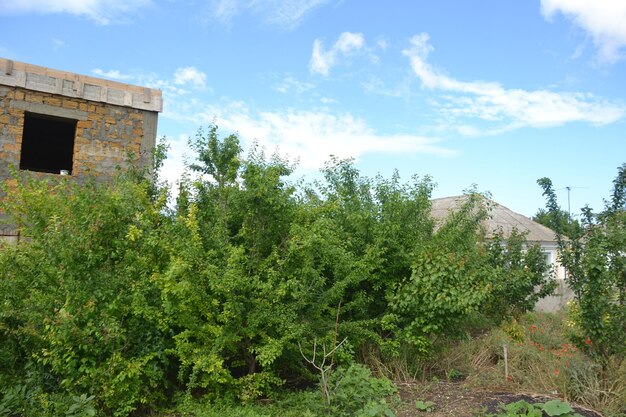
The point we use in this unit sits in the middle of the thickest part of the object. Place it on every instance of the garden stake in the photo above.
(506, 362)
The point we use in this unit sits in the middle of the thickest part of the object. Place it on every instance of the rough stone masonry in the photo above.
(60, 123)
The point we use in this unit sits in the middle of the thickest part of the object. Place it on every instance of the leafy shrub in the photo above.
(14, 401)
(520, 276)
(448, 282)
(355, 392)
(81, 407)
(77, 294)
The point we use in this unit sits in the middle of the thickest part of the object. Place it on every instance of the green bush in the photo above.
(355, 392)
(77, 298)
(114, 302)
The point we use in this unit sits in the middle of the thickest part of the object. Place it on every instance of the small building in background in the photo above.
(59, 123)
(504, 219)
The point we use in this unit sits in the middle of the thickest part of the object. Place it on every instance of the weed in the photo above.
(427, 406)
(554, 408)
(453, 375)
(82, 406)
(355, 391)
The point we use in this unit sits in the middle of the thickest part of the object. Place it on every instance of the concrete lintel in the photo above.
(46, 109)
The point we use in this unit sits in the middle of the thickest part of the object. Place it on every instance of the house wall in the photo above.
(554, 303)
(563, 293)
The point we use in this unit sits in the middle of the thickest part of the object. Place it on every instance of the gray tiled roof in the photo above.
(500, 217)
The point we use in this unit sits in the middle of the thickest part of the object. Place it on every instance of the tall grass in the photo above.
(541, 360)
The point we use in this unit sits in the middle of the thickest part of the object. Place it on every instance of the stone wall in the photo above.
(105, 134)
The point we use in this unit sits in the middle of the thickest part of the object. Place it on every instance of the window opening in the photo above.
(47, 143)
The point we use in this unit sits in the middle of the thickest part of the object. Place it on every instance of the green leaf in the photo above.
(557, 408)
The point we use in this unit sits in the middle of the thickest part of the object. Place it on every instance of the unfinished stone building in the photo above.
(60, 123)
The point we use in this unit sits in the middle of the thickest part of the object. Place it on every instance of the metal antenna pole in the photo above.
(569, 213)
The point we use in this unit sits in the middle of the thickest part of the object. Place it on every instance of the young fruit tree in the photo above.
(596, 271)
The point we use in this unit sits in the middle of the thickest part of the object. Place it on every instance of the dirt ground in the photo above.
(455, 399)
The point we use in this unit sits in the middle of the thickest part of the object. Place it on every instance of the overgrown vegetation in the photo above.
(595, 261)
(115, 304)
(542, 359)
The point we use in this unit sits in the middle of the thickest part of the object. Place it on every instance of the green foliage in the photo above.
(456, 274)
(596, 271)
(551, 408)
(82, 407)
(445, 288)
(558, 408)
(15, 400)
(447, 282)
(426, 406)
(519, 408)
(75, 309)
(280, 403)
(226, 289)
(112, 301)
(520, 276)
(217, 158)
(355, 392)
(559, 219)
(378, 225)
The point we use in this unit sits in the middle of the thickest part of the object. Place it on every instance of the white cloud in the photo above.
(382, 44)
(287, 14)
(604, 20)
(511, 108)
(112, 74)
(289, 84)
(190, 75)
(401, 87)
(101, 11)
(58, 44)
(177, 98)
(312, 136)
(328, 100)
(225, 10)
(174, 165)
(322, 61)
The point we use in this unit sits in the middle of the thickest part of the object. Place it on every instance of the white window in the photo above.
(547, 256)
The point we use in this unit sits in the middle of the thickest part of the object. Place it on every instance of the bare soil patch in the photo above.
(455, 399)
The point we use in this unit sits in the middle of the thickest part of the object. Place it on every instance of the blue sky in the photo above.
(495, 93)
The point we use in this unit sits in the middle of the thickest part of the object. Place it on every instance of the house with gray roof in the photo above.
(506, 220)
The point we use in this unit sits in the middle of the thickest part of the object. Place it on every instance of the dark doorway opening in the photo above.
(47, 143)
